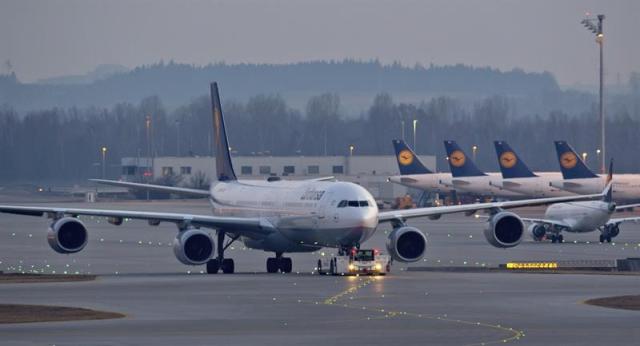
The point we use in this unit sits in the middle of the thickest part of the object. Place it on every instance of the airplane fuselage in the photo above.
(305, 215)
(625, 186)
(485, 185)
(580, 216)
(536, 187)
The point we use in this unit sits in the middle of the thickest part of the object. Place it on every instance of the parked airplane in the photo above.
(581, 217)
(413, 173)
(517, 177)
(278, 216)
(578, 178)
(467, 177)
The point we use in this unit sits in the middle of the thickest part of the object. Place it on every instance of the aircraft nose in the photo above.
(369, 217)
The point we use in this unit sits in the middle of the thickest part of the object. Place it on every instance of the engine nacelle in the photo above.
(67, 235)
(537, 231)
(504, 230)
(193, 247)
(406, 244)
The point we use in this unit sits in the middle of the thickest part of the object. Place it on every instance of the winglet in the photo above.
(571, 164)
(224, 167)
(511, 165)
(408, 161)
(460, 164)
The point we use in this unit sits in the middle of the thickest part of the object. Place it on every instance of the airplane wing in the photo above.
(159, 188)
(623, 220)
(469, 209)
(555, 223)
(628, 206)
(244, 226)
(328, 178)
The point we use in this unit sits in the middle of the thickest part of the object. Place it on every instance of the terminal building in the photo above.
(371, 172)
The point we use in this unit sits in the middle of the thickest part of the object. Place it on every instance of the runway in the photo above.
(167, 303)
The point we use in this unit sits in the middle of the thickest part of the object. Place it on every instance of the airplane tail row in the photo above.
(511, 165)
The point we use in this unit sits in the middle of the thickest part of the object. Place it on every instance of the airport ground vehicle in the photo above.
(356, 262)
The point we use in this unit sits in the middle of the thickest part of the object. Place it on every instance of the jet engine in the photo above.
(406, 244)
(67, 235)
(504, 230)
(537, 231)
(193, 247)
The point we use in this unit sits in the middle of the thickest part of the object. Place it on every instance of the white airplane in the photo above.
(413, 172)
(467, 177)
(278, 216)
(517, 177)
(580, 217)
(578, 178)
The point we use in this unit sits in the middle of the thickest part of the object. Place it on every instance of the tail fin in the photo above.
(460, 164)
(224, 167)
(608, 197)
(408, 161)
(510, 164)
(571, 165)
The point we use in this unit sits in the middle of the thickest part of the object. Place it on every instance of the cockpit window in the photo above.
(355, 204)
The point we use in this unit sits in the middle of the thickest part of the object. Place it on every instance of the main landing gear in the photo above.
(556, 238)
(226, 264)
(279, 263)
(609, 232)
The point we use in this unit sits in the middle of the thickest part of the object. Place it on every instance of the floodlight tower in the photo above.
(595, 26)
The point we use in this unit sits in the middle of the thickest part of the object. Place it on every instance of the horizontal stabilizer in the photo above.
(160, 188)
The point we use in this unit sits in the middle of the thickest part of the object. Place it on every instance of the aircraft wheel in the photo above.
(213, 265)
(601, 238)
(319, 267)
(228, 266)
(608, 239)
(286, 264)
(332, 268)
(272, 265)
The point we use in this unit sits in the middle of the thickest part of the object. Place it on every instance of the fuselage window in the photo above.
(353, 203)
(364, 203)
(342, 204)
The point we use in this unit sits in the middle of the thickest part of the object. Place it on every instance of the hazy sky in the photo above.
(52, 38)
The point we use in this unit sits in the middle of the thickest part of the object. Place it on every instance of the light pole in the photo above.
(148, 175)
(415, 125)
(104, 161)
(474, 149)
(178, 138)
(595, 26)
(351, 147)
(598, 156)
(584, 158)
(402, 124)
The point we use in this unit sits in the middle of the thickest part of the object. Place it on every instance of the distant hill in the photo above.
(100, 72)
(356, 82)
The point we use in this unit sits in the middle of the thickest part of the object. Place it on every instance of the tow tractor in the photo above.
(356, 262)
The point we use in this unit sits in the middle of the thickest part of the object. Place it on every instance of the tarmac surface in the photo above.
(167, 303)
